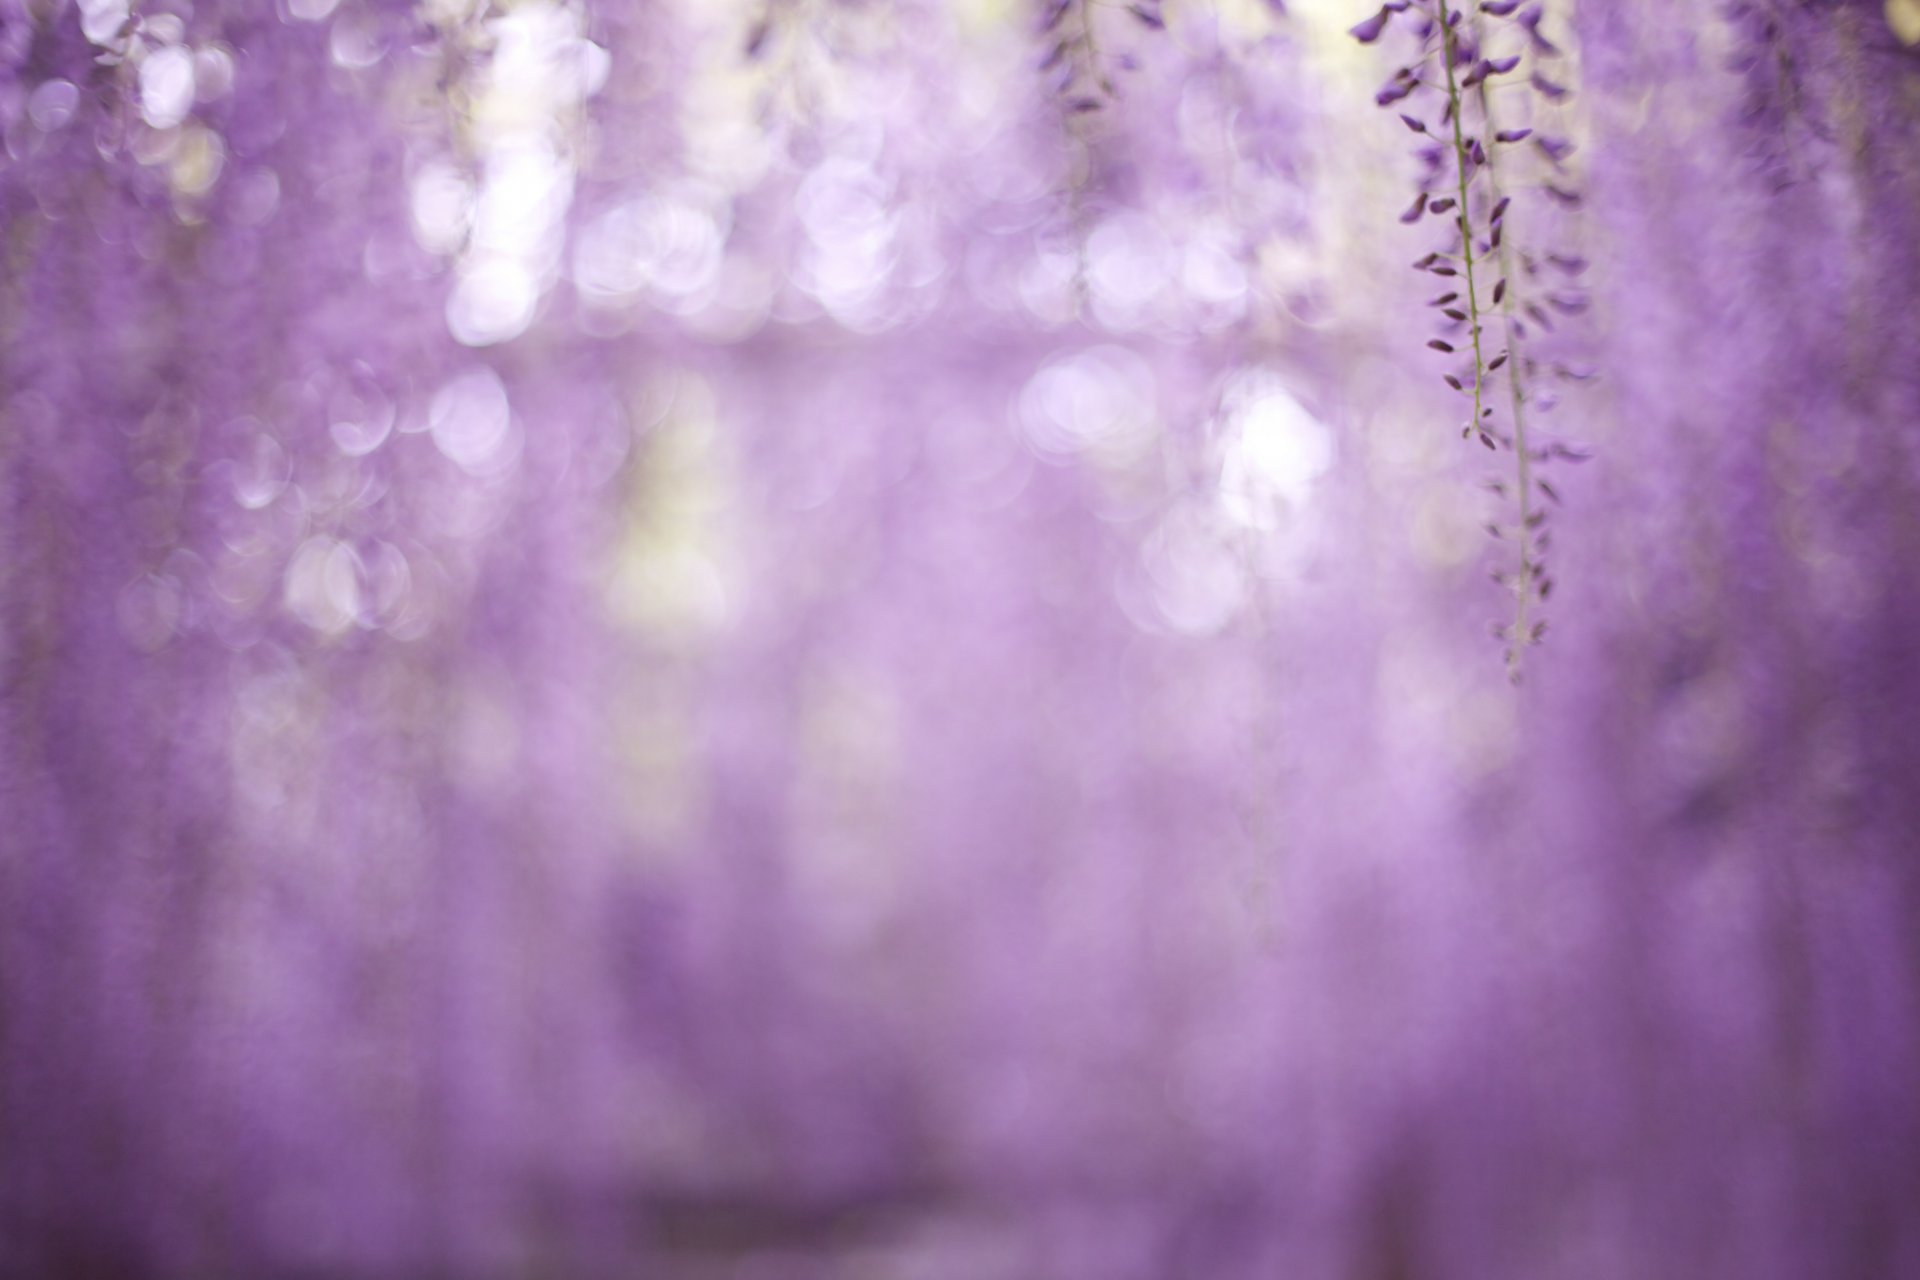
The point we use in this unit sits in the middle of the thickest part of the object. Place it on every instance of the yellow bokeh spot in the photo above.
(1904, 17)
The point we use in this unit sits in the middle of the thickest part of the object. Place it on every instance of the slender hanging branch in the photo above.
(1530, 585)
(1078, 79)
(1462, 169)
(1454, 66)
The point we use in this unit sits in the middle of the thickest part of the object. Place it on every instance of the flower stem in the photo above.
(1526, 586)
(1462, 160)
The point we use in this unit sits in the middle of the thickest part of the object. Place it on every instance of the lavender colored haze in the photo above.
(850, 638)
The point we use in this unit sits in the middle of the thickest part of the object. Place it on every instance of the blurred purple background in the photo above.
(851, 638)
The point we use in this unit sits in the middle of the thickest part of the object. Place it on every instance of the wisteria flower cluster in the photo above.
(1487, 144)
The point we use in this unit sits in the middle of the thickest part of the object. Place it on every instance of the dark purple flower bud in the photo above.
(1499, 292)
(1413, 123)
(1499, 208)
(1369, 31)
(1395, 90)
(1547, 88)
(1531, 21)
(1441, 205)
(1497, 362)
(1439, 345)
(1499, 8)
(1556, 149)
(757, 39)
(1443, 300)
(1500, 66)
(1512, 135)
(1416, 209)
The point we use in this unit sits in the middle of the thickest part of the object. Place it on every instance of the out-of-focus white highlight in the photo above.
(1128, 265)
(212, 73)
(101, 20)
(494, 300)
(360, 417)
(1209, 552)
(442, 207)
(668, 245)
(1102, 400)
(1196, 572)
(52, 104)
(261, 469)
(511, 220)
(472, 422)
(312, 10)
(1275, 452)
(166, 86)
(323, 584)
(851, 232)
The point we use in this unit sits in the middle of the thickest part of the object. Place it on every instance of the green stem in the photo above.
(1526, 588)
(1449, 51)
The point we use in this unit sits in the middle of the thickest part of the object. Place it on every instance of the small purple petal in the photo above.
(1369, 31)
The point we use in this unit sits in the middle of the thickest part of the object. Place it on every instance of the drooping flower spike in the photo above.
(1469, 179)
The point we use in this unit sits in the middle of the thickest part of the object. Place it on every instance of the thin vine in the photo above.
(1455, 69)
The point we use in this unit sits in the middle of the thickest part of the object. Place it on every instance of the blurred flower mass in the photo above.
(960, 639)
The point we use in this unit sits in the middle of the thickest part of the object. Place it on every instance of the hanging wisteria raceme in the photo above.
(1467, 150)
(815, 638)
